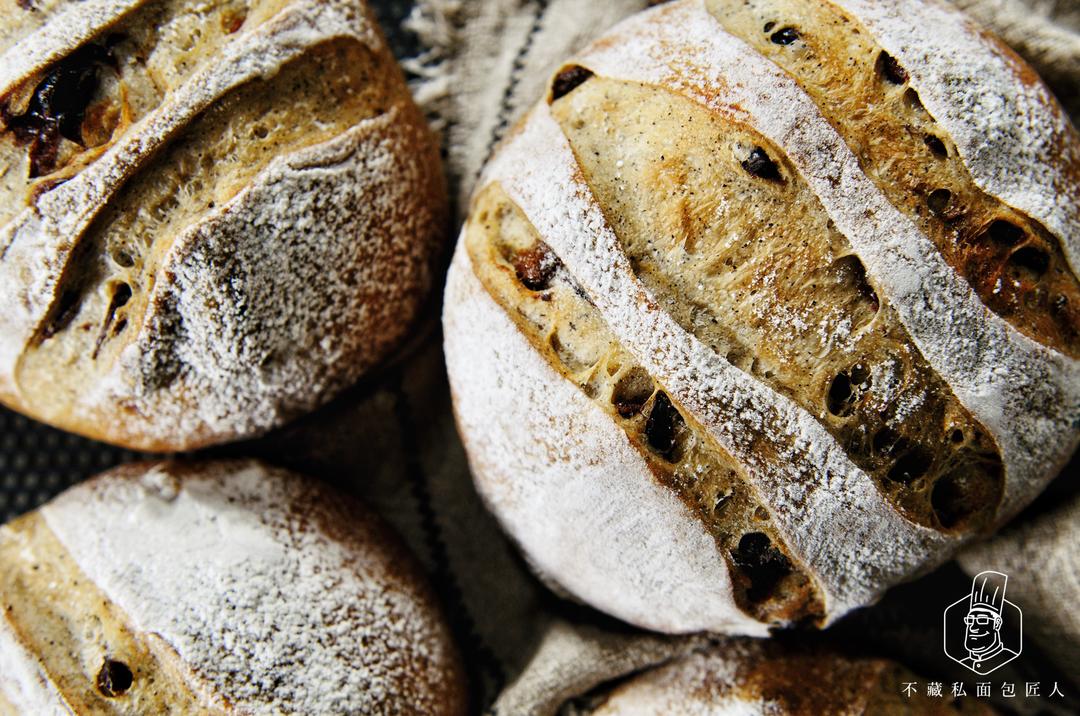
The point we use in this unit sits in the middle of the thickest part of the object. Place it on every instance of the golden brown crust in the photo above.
(249, 227)
(224, 587)
(1016, 266)
(98, 662)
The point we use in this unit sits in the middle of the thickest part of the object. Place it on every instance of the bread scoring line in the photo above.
(220, 564)
(813, 485)
(36, 244)
(70, 27)
(613, 534)
(973, 91)
(246, 400)
(683, 48)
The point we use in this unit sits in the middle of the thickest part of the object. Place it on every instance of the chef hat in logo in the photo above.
(988, 592)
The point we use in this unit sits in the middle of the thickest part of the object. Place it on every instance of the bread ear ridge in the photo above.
(590, 514)
(1022, 148)
(988, 364)
(64, 29)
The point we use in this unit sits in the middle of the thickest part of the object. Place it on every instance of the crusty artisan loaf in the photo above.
(768, 306)
(743, 677)
(213, 215)
(222, 588)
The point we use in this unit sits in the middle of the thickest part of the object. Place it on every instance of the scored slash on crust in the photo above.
(800, 471)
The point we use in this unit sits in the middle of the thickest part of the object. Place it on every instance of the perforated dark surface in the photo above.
(37, 461)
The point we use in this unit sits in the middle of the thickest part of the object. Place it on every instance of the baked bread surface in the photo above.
(213, 216)
(222, 588)
(743, 677)
(767, 307)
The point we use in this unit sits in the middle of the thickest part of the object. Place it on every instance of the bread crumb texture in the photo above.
(764, 239)
(226, 588)
(214, 216)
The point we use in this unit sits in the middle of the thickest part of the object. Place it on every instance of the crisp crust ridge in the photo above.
(258, 590)
(803, 476)
(382, 203)
(497, 387)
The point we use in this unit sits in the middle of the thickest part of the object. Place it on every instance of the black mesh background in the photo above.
(37, 462)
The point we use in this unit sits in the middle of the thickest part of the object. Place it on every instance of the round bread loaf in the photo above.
(769, 306)
(743, 677)
(223, 588)
(213, 215)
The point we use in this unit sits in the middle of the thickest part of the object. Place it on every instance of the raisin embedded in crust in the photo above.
(568, 80)
(561, 323)
(114, 679)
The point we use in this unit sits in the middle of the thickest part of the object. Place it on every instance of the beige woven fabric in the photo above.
(486, 63)
(572, 659)
(1045, 554)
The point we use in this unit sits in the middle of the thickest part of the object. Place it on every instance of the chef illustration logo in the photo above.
(984, 630)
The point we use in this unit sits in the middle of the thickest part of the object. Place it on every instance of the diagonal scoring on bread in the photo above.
(235, 219)
(57, 27)
(105, 292)
(228, 587)
(1017, 266)
(996, 372)
(1016, 141)
(567, 330)
(82, 643)
(109, 82)
(67, 210)
(585, 477)
(682, 219)
(802, 474)
(751, 266)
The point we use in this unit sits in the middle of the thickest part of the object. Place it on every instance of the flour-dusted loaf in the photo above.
(227, 587)
(213, 215)
(744, 678)
(768, 306)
